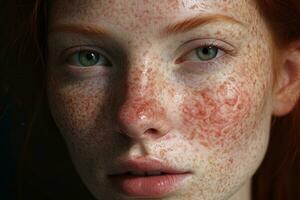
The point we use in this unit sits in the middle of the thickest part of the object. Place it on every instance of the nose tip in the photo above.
(143, 119)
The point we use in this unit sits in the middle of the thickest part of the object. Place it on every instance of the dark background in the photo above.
(35, 167)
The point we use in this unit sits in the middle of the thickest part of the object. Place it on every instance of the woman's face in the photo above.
(184, 83)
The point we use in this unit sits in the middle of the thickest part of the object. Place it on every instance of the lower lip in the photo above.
(148, 186)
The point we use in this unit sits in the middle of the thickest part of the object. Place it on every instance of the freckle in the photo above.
(141, 99)
(193, 6)
(240, 106)
(171, 91)
(211, 114)
(205, 144)
(226, 131)
(162, 153)
(217, 134)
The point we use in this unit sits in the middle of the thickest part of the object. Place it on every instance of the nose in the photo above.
(141, 115)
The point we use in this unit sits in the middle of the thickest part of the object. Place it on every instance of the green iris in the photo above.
(207, 52)
(89, 58)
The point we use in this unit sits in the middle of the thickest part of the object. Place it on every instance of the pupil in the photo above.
(90, 56)
(205, 50)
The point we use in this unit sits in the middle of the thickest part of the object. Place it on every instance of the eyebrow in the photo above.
(179, 27)
(191, 23)
(83, 29)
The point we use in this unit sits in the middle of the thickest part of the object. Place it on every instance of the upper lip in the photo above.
(145, 164)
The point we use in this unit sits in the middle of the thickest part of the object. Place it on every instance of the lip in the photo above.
(147, 186)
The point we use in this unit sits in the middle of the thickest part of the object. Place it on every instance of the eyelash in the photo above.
(70, 52)
(189, 48)
(225, 48)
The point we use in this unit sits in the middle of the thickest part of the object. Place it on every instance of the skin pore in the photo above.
(151, 95)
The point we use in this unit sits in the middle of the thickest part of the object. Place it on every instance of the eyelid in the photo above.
(192, 45)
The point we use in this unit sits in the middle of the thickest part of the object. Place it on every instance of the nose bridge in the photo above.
(140, 85)
(141, 82)
(140, 103)
(142, 70)
(141, 111)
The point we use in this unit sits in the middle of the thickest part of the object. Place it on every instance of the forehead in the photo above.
(135, 14)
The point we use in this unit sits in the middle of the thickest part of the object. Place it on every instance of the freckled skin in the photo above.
(138, 107)
(211, 119)
(210, 114)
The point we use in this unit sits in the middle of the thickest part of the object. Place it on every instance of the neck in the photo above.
(244, 193)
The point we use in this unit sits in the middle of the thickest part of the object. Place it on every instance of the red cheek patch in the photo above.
(214, 115)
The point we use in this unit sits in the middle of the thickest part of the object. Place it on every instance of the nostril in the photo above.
(152, 131)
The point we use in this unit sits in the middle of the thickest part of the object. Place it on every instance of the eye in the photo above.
(207, 52)
(204, 52)
(88, 58)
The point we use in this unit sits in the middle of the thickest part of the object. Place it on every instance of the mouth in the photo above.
(147, 178)
(150, 173)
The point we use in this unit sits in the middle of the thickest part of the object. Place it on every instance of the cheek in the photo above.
(75, 108)
(214, 116)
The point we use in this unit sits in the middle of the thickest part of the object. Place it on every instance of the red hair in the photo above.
(278, 176)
